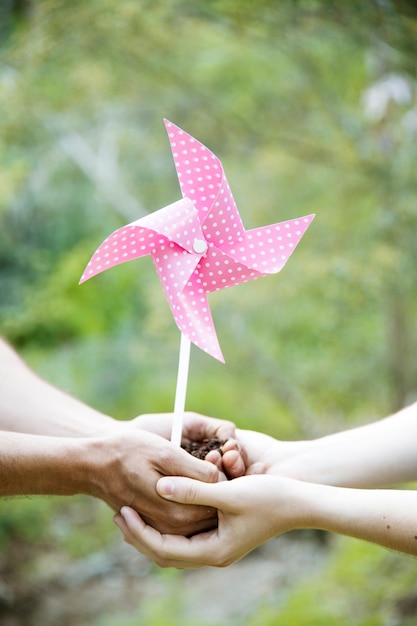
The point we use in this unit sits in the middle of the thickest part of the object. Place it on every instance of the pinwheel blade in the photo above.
(199, 244)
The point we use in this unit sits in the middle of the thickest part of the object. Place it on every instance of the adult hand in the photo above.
(123, 469)
(231, 460)
(251, 509)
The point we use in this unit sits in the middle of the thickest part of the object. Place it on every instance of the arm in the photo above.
(307, 488)
(379, 454)
(52, 444)
(29, 404)
(122, 468)
(252, 509)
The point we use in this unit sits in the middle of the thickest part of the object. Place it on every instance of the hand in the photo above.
(251, 510)
(263, 454)
(125, 468)
(231, 461)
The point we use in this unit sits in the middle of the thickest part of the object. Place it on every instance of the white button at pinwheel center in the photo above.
(199, 246)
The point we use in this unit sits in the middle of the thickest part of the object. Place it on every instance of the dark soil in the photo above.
(200, 449)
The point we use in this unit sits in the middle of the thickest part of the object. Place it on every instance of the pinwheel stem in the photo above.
(181, 391)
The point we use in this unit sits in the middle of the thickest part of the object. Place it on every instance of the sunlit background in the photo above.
(312, 107)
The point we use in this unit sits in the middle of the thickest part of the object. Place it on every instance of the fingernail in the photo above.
(165, 487)
(126, 510)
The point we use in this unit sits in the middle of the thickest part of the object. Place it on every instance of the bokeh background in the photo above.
(312, 107)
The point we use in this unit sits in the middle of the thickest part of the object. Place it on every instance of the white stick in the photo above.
(182, 378)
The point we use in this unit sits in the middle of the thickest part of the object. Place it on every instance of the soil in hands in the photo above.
(200, 449)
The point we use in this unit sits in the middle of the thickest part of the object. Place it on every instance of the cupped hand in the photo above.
(126, 467)
(251, 509)
(263, 454)
(230, 460)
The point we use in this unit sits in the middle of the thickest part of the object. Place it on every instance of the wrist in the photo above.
(42, 465)
(87, 422)
(65, 466)
(101, 470)
(91, 461)
(290, 459)
(296, 503)
(318, 506)
(302, 505)
(102, 426)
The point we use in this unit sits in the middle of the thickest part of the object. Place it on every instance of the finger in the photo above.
(230, 464)
(141, 536)
(197, 427)
(157, 423)
(190, 466)
(256, 468)
(127, 519)
(240, 466)
(214, 457)
(188, 520)
(135, 529)
(166, 550)
(118, 519)
(188, 491)
(233, 464)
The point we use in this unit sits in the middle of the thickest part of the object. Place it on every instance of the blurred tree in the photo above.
(312, 107)
(287, 93)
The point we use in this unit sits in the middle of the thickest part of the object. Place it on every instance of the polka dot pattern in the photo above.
(199, 244)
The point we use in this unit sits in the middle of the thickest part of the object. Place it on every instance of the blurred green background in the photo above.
(312, 107)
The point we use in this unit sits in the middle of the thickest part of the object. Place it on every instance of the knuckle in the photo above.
(177, 517)
(163, 557)
(161, 561)
(224, 558)
(212, 472)
(165, 458)
(191, 495)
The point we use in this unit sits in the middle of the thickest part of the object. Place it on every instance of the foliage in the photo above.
(23, 519)
(312, 107)
(351, 590)
(89, 154)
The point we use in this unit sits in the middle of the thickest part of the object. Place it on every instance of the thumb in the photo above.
(189, 491)
(188, 465)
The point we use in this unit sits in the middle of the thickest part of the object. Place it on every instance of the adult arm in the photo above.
(53, 444)
(122, 468)
(252, 509)
(29, 404)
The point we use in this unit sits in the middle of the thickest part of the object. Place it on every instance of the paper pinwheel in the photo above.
(199, 244)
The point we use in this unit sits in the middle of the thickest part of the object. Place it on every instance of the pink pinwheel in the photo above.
(199, 244)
